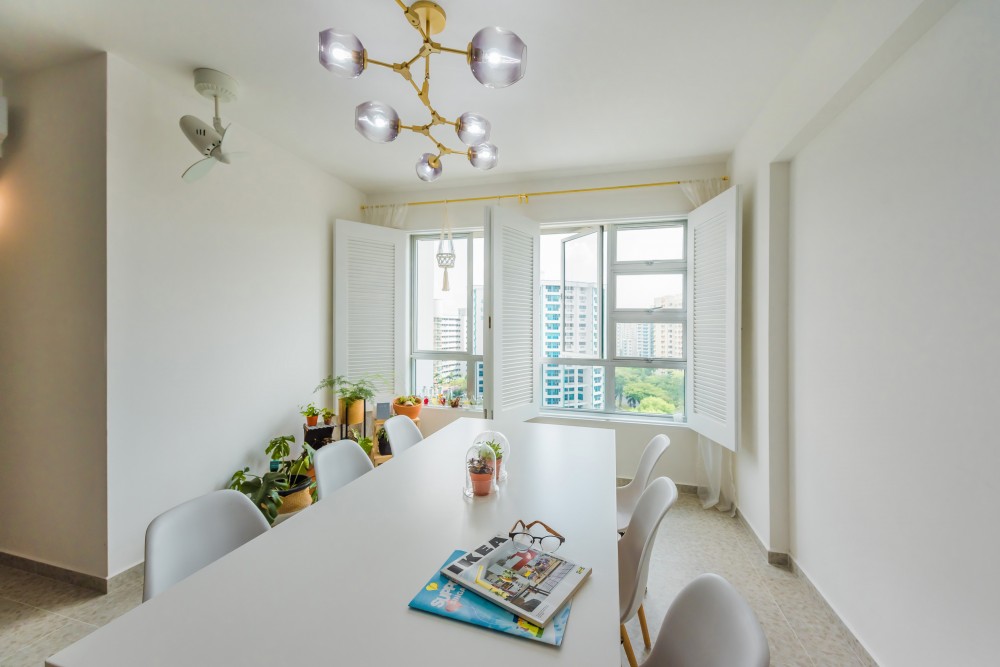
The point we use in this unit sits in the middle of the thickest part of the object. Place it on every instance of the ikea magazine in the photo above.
(446, 598)
(525, 581)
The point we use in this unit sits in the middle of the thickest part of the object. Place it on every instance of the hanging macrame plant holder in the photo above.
(446, 250)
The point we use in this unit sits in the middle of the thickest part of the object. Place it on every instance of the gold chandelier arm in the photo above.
(445, 49)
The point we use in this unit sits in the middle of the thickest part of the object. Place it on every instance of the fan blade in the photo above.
(226, 158)
(198, 169)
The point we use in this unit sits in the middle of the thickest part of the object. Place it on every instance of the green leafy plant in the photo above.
(495, 446)
(364, 443)
(262, 490)
(359, 390)
(309, 411)
(327, 414)
(412, 399)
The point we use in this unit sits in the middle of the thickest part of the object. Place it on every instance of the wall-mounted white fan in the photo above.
(209, 139)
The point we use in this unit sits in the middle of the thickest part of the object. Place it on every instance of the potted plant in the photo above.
(382, 440)
(300, 491)
(311, 413)
(498, 450)
(409, 405)
(481, 475)
(352, 396)
(327, 416)
(263, 490)
(364, 443)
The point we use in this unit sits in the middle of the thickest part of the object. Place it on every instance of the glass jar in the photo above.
(480, 471)
(498, 442)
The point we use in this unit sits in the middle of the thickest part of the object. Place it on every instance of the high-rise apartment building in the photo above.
(571, 325)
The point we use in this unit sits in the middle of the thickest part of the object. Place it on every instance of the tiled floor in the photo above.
(40, 616)
(800, 628)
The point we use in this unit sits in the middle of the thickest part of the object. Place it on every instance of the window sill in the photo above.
(448, 408)
(611, 418)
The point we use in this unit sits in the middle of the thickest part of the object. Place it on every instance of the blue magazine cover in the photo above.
(446, 598)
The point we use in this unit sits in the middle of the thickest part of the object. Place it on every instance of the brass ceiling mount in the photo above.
(430, 16)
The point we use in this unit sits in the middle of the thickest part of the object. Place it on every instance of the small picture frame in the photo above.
(381, 411)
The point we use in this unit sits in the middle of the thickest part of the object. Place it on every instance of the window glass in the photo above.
(441, 316)
(649, 291)
(655, 391)
(646, 244)
(449, 379)
(649, 340)
(573, 387)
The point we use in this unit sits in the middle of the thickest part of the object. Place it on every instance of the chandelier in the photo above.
(496, 57)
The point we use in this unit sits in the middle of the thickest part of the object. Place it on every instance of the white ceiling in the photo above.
(639, 83)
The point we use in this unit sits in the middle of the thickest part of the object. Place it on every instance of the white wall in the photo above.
(219, 303)
(854, 45)
(894, 362)
(52, 300)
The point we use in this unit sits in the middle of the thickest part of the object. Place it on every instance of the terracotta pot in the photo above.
(328, 420)
(297, 497)
(481, 483)
(354, 413)
(499, 468)
(312, 421)
(411, 411)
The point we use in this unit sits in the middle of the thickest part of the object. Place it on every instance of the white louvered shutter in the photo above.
(713, 310)
(511, 347)
(369, 305)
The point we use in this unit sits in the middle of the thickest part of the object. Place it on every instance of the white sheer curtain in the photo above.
(386, 215)
(715, 463)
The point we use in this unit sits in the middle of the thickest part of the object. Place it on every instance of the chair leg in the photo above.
(642, 624)
(628, 648)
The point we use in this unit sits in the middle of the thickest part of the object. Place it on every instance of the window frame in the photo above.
(611, 268)
(468, 356)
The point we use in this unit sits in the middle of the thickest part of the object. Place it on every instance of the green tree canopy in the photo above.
(656, 405)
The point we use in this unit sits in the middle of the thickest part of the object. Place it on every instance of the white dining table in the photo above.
(331, 585)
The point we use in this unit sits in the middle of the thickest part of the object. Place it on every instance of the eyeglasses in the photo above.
(519, 533)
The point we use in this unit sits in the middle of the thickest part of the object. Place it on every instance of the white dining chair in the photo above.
(634, 551)
(338, 464)
(402, 434)
(188, 537)
(709, 624)
(627, 496)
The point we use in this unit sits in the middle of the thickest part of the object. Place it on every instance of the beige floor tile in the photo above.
(22, 625)
(35, 654)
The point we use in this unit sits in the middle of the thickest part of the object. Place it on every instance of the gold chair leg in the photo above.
(642, 624)
(628, 648)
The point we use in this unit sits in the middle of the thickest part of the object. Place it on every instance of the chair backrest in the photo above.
(650, 456)
(188, 537)
(635, 547)
(709, 624)
(338, 464)
(402, 433)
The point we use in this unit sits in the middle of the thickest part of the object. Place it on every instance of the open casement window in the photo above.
(582, 296)
(512, 348)
(713, 314)
(370, 305)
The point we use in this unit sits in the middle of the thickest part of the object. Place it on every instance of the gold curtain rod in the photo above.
(525, 196)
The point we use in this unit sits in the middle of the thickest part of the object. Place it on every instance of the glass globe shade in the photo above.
(497, 57)
(483, 156)
(472, 128)
(426, 171)
(376, 121)
(341, 53)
